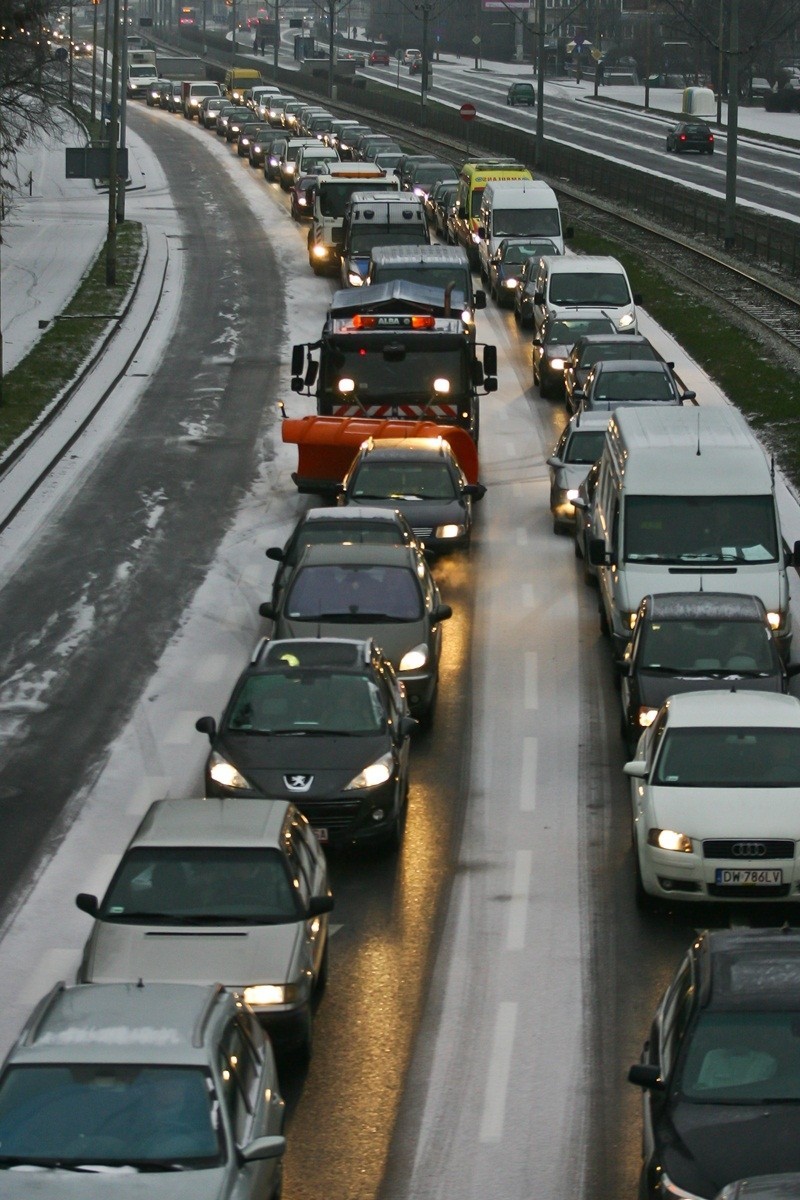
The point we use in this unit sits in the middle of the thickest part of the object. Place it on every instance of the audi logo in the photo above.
(748, 849)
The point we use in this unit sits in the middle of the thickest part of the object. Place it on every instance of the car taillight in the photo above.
(682, 137)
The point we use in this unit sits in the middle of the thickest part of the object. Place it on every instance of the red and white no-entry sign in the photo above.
(468, 112)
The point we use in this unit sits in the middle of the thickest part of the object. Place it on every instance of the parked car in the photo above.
(696, 641)
(384, 592)
(422, 478)
(715, 799)
(718, 1071)
(690, 135)
(122, 1086)
(248, 880)
(578, 448)
(521, 93)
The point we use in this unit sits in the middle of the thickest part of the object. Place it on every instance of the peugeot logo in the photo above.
(298, 783)
(748, 849)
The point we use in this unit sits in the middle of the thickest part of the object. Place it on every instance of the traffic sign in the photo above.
(468, 112)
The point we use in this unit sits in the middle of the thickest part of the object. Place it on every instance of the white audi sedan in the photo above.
(715, 792)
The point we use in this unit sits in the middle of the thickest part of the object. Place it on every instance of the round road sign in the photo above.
(468, 112)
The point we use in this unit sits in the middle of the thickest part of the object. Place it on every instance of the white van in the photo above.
(333, 192)
(378, 219)
(517, 208)
(685, 500)
(584, 281)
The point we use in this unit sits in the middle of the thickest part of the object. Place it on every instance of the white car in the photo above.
(230, 890)
(715, 792)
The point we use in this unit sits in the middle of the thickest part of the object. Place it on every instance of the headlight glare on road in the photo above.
(224, 773)
(414, 660)
(374, 775)
(668, 839)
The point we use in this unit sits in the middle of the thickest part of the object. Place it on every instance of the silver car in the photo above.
(231, 890)
(579, 446)
(157, 1090)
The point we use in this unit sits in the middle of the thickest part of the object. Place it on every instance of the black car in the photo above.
(272, 158)
(248, 131)
(600, 347)
(222, 117)
(236, 122)
(553, 344)
(616, 383)
(696, 641)
(720, 1071)
(690, 135)
(324, 723)
(506, 267)
(583, 522)
(521, 93)
(260, 142)
(369, 526)
(422, 478)
(525, 290)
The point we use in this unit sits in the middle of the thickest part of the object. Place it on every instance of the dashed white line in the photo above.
(493, 1119)
(527, 782)
(520, 896)
(531, 679)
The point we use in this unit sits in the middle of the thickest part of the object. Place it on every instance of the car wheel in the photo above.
(669, 148)
(322, 974)
(604, 626)
(589, 578)
(536, 378)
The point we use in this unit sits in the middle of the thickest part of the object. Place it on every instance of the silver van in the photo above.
(585, 281)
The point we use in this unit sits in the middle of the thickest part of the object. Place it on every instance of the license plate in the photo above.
(322, 835)
(748, 877)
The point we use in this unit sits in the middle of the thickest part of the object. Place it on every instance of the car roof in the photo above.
(363, 515)
(228, 822)
(589, 420)
(747, 968)
(733, 708)
(631, 339)
(158, 1023)
(359, 555)
(280, 654)
(629, 365)
(712, 606)
(408, 449)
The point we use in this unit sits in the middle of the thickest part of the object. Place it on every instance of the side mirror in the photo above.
(646, 1075)
(275, 553)
(597, 552)
(479, 299)
(481, 232)
(318, 905)
(796, 554)
(569, 232)
(298, 359)
(689, 396)
(206, 725)
(490, 360)
(552, 461)
(538, 297)
(490, 385)
(537, 341)
(636, 769)
(409, 724)
(476, 490)
(267, 610)
(87, 903)
(442, 612)
(638, 298)
(461, 212)
(262, 1148)
(578, 393)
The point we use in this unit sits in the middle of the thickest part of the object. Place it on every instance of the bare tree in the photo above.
(27, 99)
(763, 29)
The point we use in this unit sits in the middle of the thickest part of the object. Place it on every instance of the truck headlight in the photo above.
(668, 839)
(224, 773)
(346, 386)
(372, 776)
(320, 251)
(441, 387)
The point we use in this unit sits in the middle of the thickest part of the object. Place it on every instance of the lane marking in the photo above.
(493, 1121)
(520, 897)
(531, 679)
(527, 783)
(528, 595)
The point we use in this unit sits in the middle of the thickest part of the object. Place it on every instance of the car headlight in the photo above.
(626, 321)
(476, 238)
(256, 148)
(450, 530)
(287, 167)
(509, 283)
(572, 494)
(301, 200)
(320, 251)
(775, 621)
(668, 839)
(414, 659)
(372, 776)
(354, 279)
(260, 995)
(628, 619)
(556, 364)
(224, 773)
(244, 141)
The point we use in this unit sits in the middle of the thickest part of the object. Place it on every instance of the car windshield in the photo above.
(403, 481)
(81, 1115)
(334, 193)
(706, 647)
(432, 174)
(207, 885)
(363, 241)
(566, 333)
(516, 255)
(354, 593)
(585, 446)
(617, 348)
(742, 1058)
(302, 701)
(438, 277)
(706, 530)
(589, 288)
(721, 757)
(526, 222)
(339, 533)
(626, 387)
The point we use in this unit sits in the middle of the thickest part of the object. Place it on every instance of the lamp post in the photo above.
(111, 237)
(277, 37)
(424, 7)
(540, 53)
(733, 129)
(94, 58)
(123, 109)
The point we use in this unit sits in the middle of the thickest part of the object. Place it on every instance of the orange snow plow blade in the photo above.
(326, 446)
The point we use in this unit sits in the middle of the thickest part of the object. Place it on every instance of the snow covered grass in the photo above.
(61, 351)
(750, 374)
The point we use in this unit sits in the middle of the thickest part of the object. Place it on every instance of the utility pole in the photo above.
(540, 53)
(71, 90)
(647, 56)
(424, 7)
(721, 64)
(277, 36)
(733, 129)
(111, 238)
(233, 43)
(94, 59)
(104, 90)
(123, 109)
